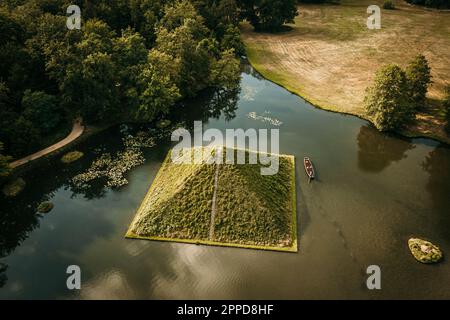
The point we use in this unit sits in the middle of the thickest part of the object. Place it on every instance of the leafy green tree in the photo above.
(24, 137)
(268, 15)
(159, 91)
(225, 71)
(145, 15)
(187, 42)
(130, 55)
(218, 14)
(418, 73)
(99, 88)
(176, 15)
(87, 73)
(387, 101)
(4, 163)
(42, 110)
(232, 40)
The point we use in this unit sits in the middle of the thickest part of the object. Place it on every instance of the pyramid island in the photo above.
(221, 204)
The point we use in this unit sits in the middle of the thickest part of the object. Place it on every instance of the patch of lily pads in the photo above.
(425, 251)
(114, 167)
(72, 157)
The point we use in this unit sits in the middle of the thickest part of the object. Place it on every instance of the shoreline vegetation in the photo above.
(158, 217)
(327, 42)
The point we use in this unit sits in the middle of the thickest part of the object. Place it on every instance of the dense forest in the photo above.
(131, 60)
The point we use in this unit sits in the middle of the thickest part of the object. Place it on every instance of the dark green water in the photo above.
(373, 192)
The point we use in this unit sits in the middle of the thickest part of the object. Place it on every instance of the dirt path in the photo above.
(77, 131)
(213, 207)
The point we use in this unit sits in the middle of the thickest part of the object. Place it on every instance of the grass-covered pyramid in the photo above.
(220, 204)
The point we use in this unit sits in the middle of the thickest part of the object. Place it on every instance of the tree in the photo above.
(4, 163)
(99, 97)
(24, 137)
(87, 73)
(130, 55)
(225, 71)
(418, 73)
(42, 110)
(232, 40)
(268, 15)
(186, 40)
(176, 15)
(145, 15)
(387, 101)
(159, 91)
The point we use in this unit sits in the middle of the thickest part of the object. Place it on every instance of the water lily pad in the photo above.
(163, 124)
(13, 188)
(72, 156)
(424, 251)
(45, 207)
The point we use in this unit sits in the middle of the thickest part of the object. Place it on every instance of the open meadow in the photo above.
(330, 56)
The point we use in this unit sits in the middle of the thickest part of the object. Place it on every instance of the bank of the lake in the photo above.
(329, 57)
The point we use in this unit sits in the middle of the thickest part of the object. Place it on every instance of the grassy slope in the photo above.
(253, 211)
(330, 57)
(252, 208)
(178, 204)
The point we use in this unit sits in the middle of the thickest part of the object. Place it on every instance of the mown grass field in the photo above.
(330, 56)
(251, 210)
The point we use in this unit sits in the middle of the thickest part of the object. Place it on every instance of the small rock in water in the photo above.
(45, 207)
(424, 251)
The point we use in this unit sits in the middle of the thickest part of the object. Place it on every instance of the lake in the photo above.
(373, 192)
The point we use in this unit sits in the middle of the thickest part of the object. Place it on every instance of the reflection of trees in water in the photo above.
(16, 221)
(437, 164)
(223, 102)
(95, 190)
(210, 103)
(3, 277)
(248, 69)
(378, 150)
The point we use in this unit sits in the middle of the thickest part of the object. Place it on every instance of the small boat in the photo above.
(309, 168)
